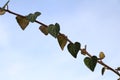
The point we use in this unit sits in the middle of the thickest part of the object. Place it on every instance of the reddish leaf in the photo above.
(44, 30)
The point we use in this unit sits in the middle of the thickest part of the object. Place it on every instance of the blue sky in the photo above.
(30, 55)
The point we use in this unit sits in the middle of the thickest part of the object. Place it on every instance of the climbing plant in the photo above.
(74, 48)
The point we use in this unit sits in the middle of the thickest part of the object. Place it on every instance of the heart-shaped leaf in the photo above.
(54, 29)
(44, 29)
(62, 40)
(74, 48)
(22, 21)
(91, 62)
(32, 17)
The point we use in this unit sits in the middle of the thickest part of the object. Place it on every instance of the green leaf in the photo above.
(22, 21)
(54, 29)
(37, 13)
(91, 62)
(103, 70)
(62, 40)
(44, 29)
(57, 25)
(74, 48)
(32, 17)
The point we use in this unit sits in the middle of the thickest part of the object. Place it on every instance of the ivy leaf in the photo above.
(2, 11)
(22, 21)
(32, 17)
(44, 30)
(74, 48)
(62, 40)
(54, 29)
(103, 70)
(91, 62)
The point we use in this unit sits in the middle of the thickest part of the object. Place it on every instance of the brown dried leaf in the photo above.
(22, 21)
(44, 29)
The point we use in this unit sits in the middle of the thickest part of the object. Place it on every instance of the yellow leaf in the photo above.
(101, 55)
(62, 40)
(22, 21)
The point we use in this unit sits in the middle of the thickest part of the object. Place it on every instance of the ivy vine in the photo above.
(54, 30)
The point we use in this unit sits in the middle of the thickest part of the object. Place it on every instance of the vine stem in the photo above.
(88, 54)
(105, 65)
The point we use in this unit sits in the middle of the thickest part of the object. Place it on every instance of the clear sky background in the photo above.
(30, 55)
